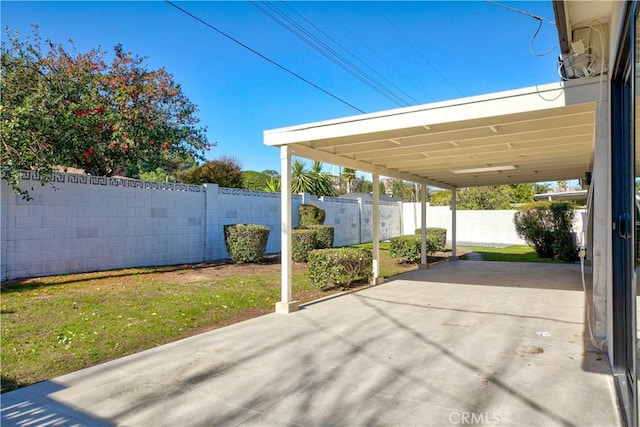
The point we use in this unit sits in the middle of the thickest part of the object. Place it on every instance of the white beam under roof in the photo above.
(546, 132)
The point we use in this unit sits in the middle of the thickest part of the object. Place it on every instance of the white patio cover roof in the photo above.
(542, 133)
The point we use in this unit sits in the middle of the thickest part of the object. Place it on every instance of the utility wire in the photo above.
(325, 50)
(423, 57)
(255, 52)
(540, 20)
(344, 27)
(521, 12)
(351, 54)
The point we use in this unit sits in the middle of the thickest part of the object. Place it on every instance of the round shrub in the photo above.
(339, 267)
(303, 241)
(405, 247)
(436, 238)
(324, 235)
(246, 242)
(311, 215)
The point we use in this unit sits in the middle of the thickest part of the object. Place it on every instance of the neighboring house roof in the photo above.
(577, 195)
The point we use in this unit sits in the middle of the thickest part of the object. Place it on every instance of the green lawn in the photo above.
(55, 325)
(516, 253)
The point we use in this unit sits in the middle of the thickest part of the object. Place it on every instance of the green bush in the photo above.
(564, 245)
(246, 242)
(409, 248)
(324, 235)
(303, 241)
(311, 215)
(339, 267)
(547, 226)
(436, 238)
(405, 247)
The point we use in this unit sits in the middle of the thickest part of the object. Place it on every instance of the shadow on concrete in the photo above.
(564, 277)
(502, 274)
(43, 410)
(367, 358)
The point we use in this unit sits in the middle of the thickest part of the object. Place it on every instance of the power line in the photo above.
(328, 52)
(344, 27)
(540, 20)
(423, 57)
(521, 12)
(255, 52)
(351, 54)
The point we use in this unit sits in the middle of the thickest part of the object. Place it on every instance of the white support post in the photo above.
(423, 227)
(375, 230)
(454, 230)
(286, 305)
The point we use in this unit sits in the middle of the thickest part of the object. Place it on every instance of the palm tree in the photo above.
(349, 177)
(272, 184)
(314, 182)
(301, 182)
(322, 181)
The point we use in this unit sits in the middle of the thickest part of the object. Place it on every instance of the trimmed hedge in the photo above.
(311, 215)
(303, 241)
(246, 242)
(405, 247)
(409, 248)
(339, 267)
(437, 236)
(324, 235)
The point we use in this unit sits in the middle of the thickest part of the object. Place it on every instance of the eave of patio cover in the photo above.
(546, 133)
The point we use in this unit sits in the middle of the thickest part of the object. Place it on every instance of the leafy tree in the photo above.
(252, 180)
(226, 172)
(494, 197)
(522, 193)
(404, 190)
(365, 186)
(271, 172)
(157, 175)
(63, 107)
(440, 198)
(172, 169)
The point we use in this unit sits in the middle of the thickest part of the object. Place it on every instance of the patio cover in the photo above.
(542, 133)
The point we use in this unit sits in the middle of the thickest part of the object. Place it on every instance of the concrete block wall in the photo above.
(342, 214)
(351, 218)
(79, 223)
(389, 220)
(482, 227)
(237, 206)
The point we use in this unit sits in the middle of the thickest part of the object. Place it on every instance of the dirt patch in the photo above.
(225, 269)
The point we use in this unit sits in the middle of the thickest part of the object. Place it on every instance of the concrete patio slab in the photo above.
(462, 343)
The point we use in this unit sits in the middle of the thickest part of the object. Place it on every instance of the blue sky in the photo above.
(425, 51)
